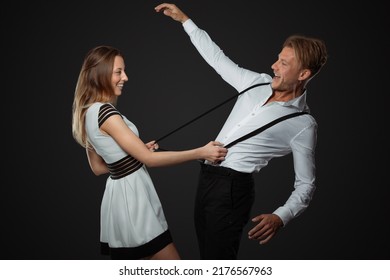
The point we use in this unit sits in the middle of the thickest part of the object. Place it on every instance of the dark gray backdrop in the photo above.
(50, 199)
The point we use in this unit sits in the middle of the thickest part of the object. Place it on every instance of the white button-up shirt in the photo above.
(296, 135)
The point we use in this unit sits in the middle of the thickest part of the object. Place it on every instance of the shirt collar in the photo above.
(298, 102)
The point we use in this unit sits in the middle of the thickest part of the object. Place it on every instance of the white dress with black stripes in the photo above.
(133, 223)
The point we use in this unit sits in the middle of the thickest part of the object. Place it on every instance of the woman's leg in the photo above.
(169, 252)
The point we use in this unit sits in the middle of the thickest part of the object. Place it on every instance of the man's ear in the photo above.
(305, 74)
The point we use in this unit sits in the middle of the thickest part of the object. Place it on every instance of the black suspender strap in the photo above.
(260, 129)
(208, 111)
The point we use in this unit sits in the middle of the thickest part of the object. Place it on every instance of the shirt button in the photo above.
(253, 114)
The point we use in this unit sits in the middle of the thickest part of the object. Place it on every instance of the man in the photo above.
(225, 193)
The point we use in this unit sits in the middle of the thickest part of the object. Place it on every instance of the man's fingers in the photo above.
(162, 7)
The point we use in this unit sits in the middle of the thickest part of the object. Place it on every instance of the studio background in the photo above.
(50, 202)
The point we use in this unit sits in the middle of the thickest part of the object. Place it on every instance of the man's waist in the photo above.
(224, 171)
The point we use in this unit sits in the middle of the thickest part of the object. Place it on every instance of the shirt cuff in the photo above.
(284, 215)
(189, 26)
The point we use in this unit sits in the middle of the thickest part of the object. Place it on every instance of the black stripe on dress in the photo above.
(106, 110)
(123, 167)
(143, 251)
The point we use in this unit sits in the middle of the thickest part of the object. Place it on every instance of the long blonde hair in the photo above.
(93, 85)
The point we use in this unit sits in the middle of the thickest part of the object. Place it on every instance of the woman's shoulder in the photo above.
(99, 112)
(94, 110)
(99, 106)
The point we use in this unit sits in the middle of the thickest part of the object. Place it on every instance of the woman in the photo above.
(133, 225)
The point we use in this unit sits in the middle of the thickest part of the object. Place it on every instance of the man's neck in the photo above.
(284, 96)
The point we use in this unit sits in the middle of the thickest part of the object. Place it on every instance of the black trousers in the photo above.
(223, 204)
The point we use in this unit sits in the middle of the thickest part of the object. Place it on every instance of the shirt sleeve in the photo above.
(106, 110)
(232, 73)
(303, 151)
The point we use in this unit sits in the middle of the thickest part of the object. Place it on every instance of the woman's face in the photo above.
(119, 76)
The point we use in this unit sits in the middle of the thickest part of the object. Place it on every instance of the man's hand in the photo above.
(171, 10)
(266, 228)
